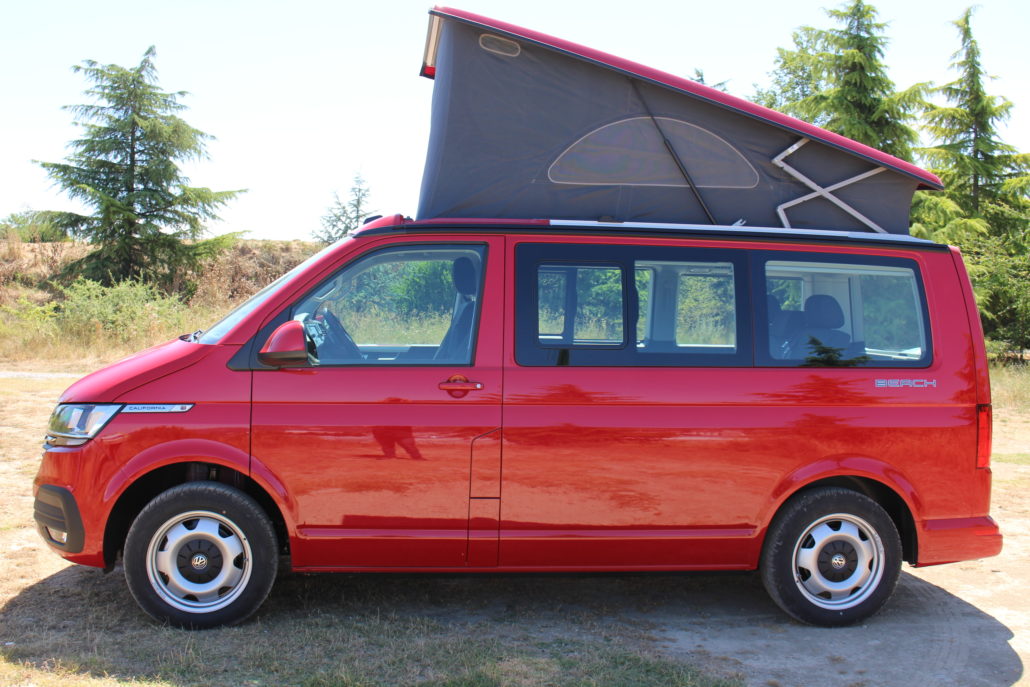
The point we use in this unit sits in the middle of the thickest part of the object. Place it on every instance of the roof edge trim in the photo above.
(398, 223)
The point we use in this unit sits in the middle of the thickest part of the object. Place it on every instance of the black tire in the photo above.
(201, 555)
(831, 557)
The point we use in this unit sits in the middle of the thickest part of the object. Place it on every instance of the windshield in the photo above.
(224, 325)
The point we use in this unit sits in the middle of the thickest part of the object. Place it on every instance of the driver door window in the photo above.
(416, 305)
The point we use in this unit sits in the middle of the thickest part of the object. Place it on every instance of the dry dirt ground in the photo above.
(964, 624)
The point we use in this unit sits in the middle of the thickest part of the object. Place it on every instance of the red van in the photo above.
(554, 396)
(652, 380)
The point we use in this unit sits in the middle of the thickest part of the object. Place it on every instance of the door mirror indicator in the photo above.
(286, 346)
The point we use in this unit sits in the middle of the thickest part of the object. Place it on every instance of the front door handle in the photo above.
(459, 386)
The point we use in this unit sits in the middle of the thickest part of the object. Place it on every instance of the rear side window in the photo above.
(580, 304)
(631, 306)
(705, 305)
(849, 312)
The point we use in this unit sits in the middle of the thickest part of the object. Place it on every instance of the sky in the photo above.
(303, 95)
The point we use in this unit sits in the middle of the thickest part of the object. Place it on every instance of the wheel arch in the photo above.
(148, 485)
(888, 498)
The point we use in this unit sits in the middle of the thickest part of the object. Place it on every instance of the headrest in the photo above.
(463, 274)
(823, 312)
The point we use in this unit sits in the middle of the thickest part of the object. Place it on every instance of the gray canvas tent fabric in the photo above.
(521, 129)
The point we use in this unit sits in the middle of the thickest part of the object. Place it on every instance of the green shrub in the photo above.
(88, 320)
(1001, 280)
(34, 227)
(126, 312)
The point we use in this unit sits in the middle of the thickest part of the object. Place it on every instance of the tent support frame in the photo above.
(820, 191)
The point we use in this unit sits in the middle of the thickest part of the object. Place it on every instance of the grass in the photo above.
(1010, 387)
(1010, 392)
(1015, 458)
(329, 631)
(384, 328)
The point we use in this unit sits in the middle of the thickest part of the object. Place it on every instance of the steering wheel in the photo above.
(337, 340)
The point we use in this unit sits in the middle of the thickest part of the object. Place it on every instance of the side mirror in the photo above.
(286, 346)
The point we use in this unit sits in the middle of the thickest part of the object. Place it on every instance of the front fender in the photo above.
(172, 452)
(184, 451)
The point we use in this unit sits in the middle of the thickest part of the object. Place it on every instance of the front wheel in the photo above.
(200, 555)
(831, 557)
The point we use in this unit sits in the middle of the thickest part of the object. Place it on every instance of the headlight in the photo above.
(73, 424)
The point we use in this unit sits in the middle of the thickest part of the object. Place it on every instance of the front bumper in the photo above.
(58, 519)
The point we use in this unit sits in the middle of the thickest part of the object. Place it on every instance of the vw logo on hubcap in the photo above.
(199, 561)
(838, 561)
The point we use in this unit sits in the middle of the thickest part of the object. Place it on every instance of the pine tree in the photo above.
(837, 79)
(795, 78)
(986, 180)
(344, 218)
(699, 76)
(146, 218)
(985, 207)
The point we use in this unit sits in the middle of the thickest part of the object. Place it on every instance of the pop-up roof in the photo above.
(525, 125)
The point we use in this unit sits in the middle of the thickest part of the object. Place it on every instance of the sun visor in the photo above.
(529, 126)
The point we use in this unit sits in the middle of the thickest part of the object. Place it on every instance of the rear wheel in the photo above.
(200, 555)
(832, 557)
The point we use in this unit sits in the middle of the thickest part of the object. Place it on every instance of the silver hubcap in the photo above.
(838, 561)
(199, 561)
